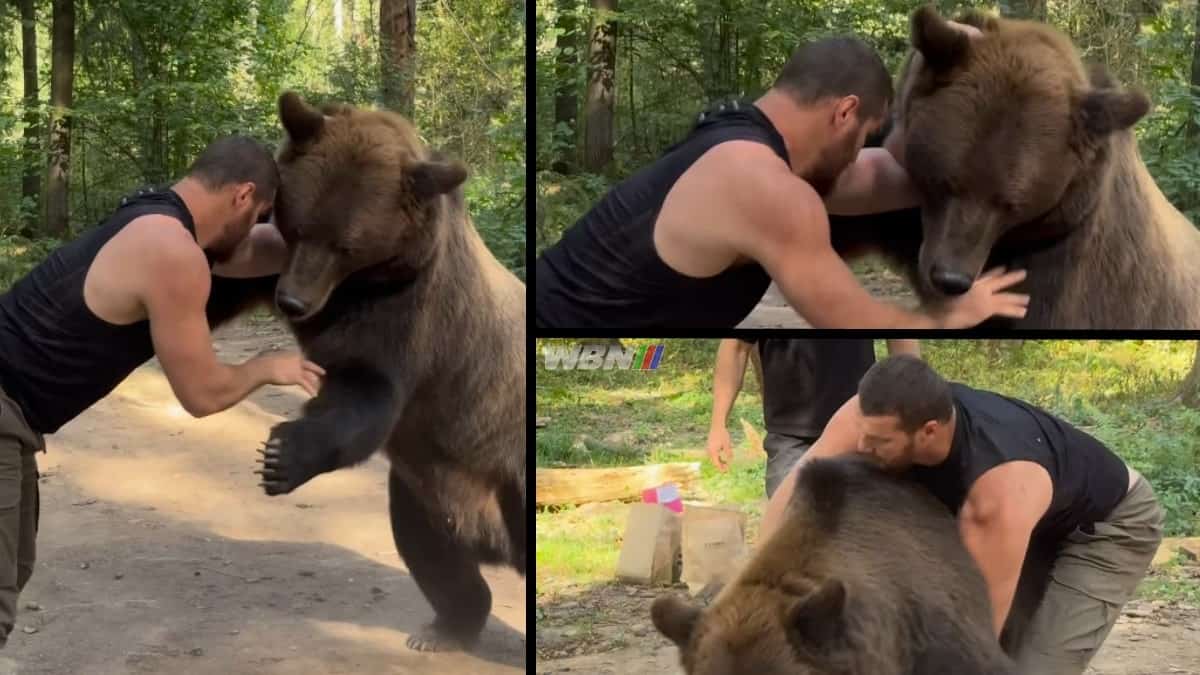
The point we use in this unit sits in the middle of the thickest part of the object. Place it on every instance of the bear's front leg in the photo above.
(346, 423)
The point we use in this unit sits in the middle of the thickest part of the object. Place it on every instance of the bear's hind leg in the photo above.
(445, 569)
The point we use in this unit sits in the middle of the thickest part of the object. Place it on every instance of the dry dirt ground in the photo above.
(607, 631)
(774, 312)
(158, 552)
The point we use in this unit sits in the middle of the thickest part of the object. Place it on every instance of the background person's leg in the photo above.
(1094, 575)
(783, 452)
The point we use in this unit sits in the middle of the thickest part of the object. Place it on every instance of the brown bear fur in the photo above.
(1025, 157)
(421, 332)
(866, 576)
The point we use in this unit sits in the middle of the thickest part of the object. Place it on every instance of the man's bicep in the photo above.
(180, 332)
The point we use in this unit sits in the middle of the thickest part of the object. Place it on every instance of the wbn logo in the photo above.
(585, 356)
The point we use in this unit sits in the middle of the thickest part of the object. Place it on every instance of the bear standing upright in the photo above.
(421, 332)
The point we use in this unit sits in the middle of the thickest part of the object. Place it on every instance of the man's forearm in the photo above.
(727, 378)
(874, 183)
(912, 347)
(228, 385)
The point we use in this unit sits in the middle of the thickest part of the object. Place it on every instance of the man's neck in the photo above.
(196, 197)
(794, 123)
(943, 441)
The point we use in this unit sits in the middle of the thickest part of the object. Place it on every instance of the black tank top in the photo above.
(1089, 480)
(57, 358)
(805, 381)
(605, 271)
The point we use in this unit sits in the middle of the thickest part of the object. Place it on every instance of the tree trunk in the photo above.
(601, 88)
(566, 83)
(351, 21)
(31, 176)
(1189, 393)
(62, 80)
(338, 20)
(1194, 124)
(1023, 9)
(398, 49)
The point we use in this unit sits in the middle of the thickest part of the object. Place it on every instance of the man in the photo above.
(133, 287)
(695, 239)
(1019, 479)
(803, 383)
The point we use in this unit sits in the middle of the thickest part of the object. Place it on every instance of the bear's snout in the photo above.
(290, 305)
(950, 281)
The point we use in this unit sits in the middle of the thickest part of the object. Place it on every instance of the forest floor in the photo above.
(159, 553)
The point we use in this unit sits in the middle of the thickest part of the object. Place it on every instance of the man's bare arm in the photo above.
(840, 437)
(912, 347)
(728, 375)
(787, 231)
(996, 522)
(174, 286)
(874, 183)
(262, 253)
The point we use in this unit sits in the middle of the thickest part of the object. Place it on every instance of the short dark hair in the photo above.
(905, 386)
(836, 67)
(237, 159)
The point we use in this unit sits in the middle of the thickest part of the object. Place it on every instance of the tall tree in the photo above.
(1194, 124)
(338, 19)
(62, 79)
(566, 95)
(1189, 393)
(31, 175)
(601, 88)
(1024, 9)
(398, 50)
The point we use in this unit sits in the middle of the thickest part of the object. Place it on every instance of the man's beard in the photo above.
(832, 162)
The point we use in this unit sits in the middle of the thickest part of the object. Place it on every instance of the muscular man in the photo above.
(803, 383)
(133, 287)
(1021, 481)
(695, 239)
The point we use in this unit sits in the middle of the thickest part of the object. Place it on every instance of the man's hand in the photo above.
(987, 298)
(720, 447)
(291, 368)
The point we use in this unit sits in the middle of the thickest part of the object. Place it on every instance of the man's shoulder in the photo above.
(165, 250)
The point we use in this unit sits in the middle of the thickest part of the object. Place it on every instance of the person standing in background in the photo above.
(803, 383)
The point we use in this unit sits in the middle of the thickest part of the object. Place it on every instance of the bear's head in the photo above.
(796, 629)
(998, 130)
(360, 197)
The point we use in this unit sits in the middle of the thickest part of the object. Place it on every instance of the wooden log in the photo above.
(558, 487)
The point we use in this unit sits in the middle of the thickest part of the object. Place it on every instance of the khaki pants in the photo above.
(19, 506)
(1091, 579)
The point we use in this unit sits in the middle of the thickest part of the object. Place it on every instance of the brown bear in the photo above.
(867, 576)
(1026, 158)
(421, 332)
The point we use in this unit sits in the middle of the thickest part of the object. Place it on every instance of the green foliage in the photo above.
(155, 81)
(673, 58)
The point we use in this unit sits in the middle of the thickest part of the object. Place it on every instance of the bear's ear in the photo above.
(301, 121)
(942, 46)
(675, 618)
(818, 620)
(1100, 112)
(437, 177)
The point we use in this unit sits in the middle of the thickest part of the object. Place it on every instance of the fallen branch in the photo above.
(558, 487)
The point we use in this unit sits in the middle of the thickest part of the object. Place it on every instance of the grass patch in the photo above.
(1122, 392)
(1173, 582)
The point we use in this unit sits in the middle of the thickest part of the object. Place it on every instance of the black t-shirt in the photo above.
(1088, 479)
(806, 381)
(605, 272)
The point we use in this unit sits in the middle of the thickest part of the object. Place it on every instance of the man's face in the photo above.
(245, 207)
(884, 440)
(847, 135)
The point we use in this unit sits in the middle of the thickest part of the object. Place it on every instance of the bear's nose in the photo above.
(290, 305)
(949, 281)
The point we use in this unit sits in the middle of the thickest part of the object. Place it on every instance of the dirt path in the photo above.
(774, 312)
(158, 553)
(607, 631)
